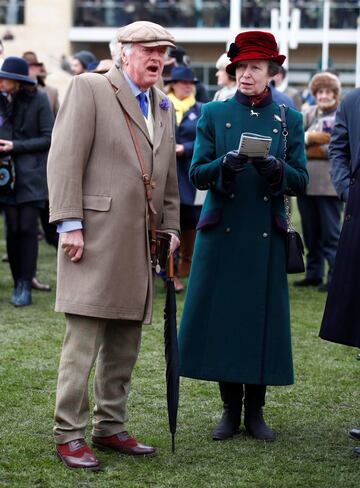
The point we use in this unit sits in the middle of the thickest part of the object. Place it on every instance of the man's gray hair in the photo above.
(115, 50)
(126, 48)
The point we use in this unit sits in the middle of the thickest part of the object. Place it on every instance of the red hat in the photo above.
(253, 45)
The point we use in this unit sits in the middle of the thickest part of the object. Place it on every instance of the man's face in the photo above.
(144, 64)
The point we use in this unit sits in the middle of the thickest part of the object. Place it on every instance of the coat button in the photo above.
(232, 195)
(275, 131)
(153, 184)
(266, 199)
(347, 217)
(228, 125)
(227, 230)
(265, 235)
(352, 181)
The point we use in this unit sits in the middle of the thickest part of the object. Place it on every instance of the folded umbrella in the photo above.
(171, 351)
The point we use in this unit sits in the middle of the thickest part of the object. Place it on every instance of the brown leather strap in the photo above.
(145, 176)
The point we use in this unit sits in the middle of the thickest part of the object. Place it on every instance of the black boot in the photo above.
(24, 297)
(228, 426)
(254, 421)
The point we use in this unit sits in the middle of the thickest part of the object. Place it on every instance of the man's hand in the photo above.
(6, 146)
(73, 244)
(174, 243)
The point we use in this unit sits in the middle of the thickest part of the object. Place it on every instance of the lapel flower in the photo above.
(164, 104)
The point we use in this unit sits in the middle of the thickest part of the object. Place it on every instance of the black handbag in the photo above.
(294, 243)
(294, 253)
(7, 176)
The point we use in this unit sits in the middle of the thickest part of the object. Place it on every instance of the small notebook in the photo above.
(254, 145)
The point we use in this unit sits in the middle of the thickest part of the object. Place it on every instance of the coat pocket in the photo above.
(210, 218)
(101, 203)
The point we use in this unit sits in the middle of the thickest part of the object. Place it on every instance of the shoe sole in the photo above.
(217, 438)
(93, 468)
(101, 447)
(354, 437)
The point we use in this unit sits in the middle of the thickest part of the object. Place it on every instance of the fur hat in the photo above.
(325, 80)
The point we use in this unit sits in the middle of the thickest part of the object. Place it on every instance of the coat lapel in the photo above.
(127, 100)
(159, 118)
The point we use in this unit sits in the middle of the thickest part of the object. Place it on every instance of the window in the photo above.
(12, 12)
(169, 13)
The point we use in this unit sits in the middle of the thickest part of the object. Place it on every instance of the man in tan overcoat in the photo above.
(97, 198)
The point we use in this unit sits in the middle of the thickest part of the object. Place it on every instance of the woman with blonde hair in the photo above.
(181, 92)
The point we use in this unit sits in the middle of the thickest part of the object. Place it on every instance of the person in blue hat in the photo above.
(82, 62)
(26, 123)
(181, 92)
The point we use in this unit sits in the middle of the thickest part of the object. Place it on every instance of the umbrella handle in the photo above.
(170, 266)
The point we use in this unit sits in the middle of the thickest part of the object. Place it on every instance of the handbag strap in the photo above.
(285, 133)
(145, 177)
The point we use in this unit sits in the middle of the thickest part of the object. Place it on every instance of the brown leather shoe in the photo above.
(178, 285)
(77, 454)
(123, 443)
(37, 285)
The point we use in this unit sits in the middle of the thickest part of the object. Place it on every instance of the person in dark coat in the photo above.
(181, 92)
(341, 320)
(235, 327)
(280, 97)
(26, 123)
(37, 72)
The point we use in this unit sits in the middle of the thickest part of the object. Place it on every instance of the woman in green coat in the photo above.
(235, 327)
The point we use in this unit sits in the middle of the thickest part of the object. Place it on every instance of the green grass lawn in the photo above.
(311, 418)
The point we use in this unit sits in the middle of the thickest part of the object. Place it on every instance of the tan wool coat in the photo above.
(94, 175)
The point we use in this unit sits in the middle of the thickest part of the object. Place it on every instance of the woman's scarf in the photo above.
(181, 106)
(265, 98)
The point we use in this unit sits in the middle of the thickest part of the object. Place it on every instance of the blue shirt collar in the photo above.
(134, 88)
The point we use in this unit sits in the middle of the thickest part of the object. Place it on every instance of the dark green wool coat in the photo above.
(235, 325)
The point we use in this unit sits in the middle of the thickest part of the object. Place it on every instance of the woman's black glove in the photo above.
(270, 167)
(233, 163)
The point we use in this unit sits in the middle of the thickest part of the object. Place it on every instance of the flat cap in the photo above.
(146, 33)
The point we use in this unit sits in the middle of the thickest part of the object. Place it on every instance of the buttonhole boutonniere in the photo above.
(165, 104)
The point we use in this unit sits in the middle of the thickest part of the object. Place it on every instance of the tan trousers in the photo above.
(115, 344)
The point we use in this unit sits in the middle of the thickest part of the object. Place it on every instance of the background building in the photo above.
(54, 28)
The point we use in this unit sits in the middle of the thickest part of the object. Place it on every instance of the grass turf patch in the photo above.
(311, 418)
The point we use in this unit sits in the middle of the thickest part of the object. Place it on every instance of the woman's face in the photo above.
(183, 89)
(252, 76)
(325, 99)
(8, 86)
(222, 77)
